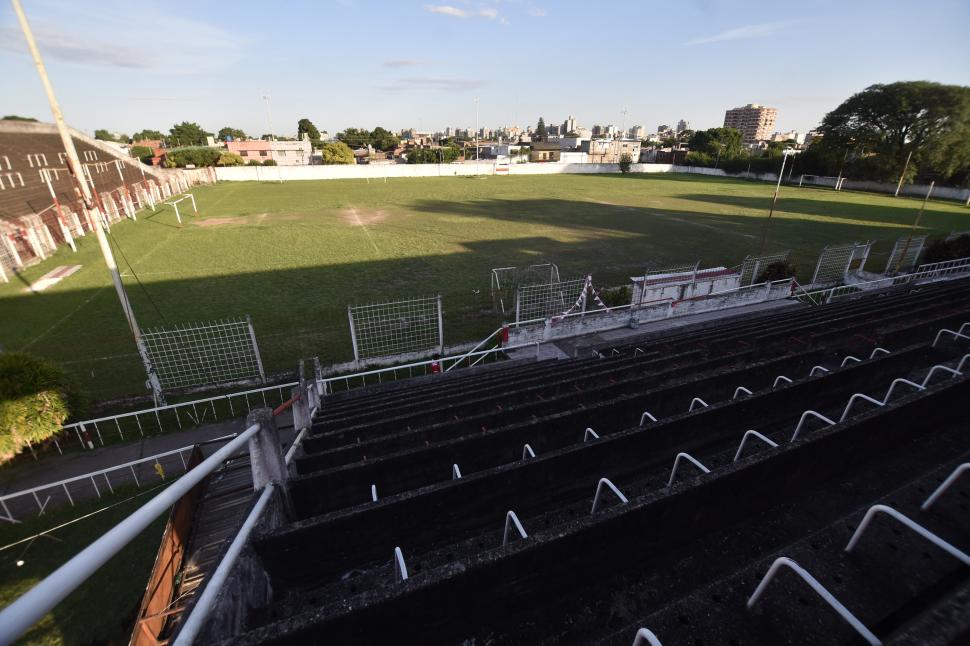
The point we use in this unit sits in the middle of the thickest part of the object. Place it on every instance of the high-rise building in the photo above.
(756, 122)
(664, 129)
(569, 125)
(637, 132)
(682, 125)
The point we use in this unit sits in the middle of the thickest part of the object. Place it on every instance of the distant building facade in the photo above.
(682, 125)
(756, 122)
(609, 151)
(285, 153)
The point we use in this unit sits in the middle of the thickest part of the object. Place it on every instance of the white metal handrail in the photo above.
(946, 484)
(935, 270)
(510, 519)
(680, 458)
(646, 636)
(784, 561)
(33, 491)
(599, 490)
(473, 350)
(348, 379)
(753, 433)
(910, 524)
(29, 608)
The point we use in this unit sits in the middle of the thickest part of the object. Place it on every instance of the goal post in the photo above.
(396, 327)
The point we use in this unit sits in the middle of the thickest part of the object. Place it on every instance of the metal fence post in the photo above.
(441, 329)
(353, 334)
(259, 360)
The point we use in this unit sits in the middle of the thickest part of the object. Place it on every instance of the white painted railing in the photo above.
(923, 272)
(42, 494)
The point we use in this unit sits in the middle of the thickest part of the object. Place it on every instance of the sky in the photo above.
(127, 66)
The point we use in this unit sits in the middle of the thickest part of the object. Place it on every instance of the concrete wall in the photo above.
(553, 329)
(351, 171)
(913, 190)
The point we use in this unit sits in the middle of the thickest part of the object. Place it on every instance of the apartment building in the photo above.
(756, 122)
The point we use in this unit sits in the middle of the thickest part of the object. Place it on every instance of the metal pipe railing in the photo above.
(28, 609)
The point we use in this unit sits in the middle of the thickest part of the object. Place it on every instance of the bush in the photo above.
(253, 162)
(776, 271)
(625, 162)
(36, 398)
(336, 153)
(695, 158)
(270, 162)
(941, 250)
(142, 153)
(229, 159)
(198, 157)
(616, 296)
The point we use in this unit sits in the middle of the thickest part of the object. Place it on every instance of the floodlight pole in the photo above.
(902, 176)
(919, 216)
(74, 166)
(774, 200)
(477, 154)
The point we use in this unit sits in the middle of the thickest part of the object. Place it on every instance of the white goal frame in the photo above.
(912, 246)
(507, 280)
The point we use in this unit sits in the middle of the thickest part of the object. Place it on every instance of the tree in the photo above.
(103, 135)
(228, 131)
(143, 153)
(355, 137)
(879, 127)
(148, 135)
(540, 130)
(306, 127)
(442, 155)
(336, 152)
(36, 398)
(14, 117)
(384, 139)
(625, 162)
(725, 143)
(198, 156)
(229, 159)
(188, 134)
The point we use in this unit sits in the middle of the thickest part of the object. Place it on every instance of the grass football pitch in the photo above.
(294, 255)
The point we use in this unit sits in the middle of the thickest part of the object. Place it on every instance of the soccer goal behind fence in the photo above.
(201, 354)
(398, 327)
(753, 266)
(534, 302)
(506, 280)
(835, 262)
(905, 253)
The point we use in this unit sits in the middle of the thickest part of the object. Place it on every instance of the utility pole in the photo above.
(269, 114)
(919, 216)
(774, 200)
(476, 136)
(902, 175)
(75, 167)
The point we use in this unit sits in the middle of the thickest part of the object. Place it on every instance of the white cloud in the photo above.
(446, 10)
(67, 32)
(431, 84)
(404, 62)
(538, 12)
(490, 13)
(739, 33)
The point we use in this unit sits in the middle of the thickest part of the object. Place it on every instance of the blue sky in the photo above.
(126, 65)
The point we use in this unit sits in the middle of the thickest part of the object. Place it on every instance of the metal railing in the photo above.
(923, 272)
(28, 609)
(42, 495)
(390, 373)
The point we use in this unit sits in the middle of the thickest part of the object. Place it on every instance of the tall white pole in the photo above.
(75, 167)
(476, 134)
(269, 115)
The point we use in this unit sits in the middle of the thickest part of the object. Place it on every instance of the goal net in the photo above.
(386, 329)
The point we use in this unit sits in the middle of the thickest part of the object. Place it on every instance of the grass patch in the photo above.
(294, 255)
(102, 610)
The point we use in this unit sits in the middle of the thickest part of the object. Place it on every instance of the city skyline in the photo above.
(420, 65)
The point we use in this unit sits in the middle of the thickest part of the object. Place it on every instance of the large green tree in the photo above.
(725, 143)
(188, 134)
(228, 131)
(336, 152)
(305, 126)
(17, 117)
(147, 135)
(355, 137)
(540, 130)
(384, 139)
(878, 128)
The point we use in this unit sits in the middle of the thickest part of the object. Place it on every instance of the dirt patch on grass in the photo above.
(363, 217)
(256, 218)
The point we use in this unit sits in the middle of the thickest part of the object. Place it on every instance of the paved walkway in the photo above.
(54, 468)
